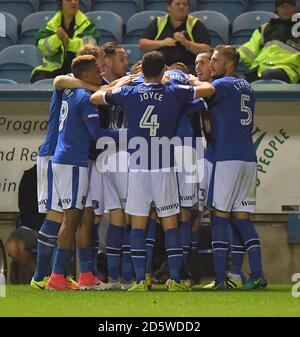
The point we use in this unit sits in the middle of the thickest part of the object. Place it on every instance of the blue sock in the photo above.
(220, 243)
(252, 244)
(61, 260)
(138, 253)
(174, 251)
(95, 240)
(47, 240)
(126, 260)
(186, 237)
(150, 242)
(195, 240)
(113, 248)
(85, 259)
(237, 251)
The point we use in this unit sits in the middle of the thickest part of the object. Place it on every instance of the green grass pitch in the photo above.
(276, 300)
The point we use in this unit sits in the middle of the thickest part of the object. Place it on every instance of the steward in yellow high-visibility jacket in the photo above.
(177, 35)
(272, 51)
(58, 55)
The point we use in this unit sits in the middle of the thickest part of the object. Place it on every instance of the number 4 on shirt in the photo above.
(153, 125)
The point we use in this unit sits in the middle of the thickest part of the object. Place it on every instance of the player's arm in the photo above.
(202, 89)
(90, 117)
(98, 98)
(62, 82)
(104, 96)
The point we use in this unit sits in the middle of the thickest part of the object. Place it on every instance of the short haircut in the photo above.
(82, 63)
(153, 64)
(230, 53)
(170, 1)
(208, 52)
(90, 49)
(179, 66)
(110, 48)
(135, 68)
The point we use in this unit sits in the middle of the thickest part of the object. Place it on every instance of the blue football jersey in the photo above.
(152, 110)
(231, 111)
(75, 134)
(50, 141)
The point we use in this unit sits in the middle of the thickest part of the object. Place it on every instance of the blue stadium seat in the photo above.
(216, 23)
(245, 24)
(46, 82)
(263, 5)
(124, 8)
(136, 25)
(7, 81)
(241, 68)
(19, 8)
(134, 53)
(161, 5)
(51, 5)
(8, 30)
(230, 8)
(31, 24)
(17, 62)
(109, 24)
(270, 81)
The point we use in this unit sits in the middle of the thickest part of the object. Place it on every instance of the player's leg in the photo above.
(114, 245)
(237, 257)
(115, 189)
(72, 187)
(252, 244)
(47, 242)
(126, 259)
(138, 251)
(220, 244)
(224, 187)
(244, 204)
(48, 202)
(85, 250)
(97, 197)
(150, 242)
(138, 206)
(167, 208)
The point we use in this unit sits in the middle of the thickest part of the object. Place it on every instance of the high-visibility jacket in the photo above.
(163, 20)
(272, 46)
(52, 47)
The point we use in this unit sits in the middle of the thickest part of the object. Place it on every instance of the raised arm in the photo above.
(202, 89)
(62, 82)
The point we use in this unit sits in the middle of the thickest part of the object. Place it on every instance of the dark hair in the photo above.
(230, 53)
(90, 49)
(59, 4)
(179, 66)
(110, 48)
(82, 63)
(153, 64)
(135, 68)
(169, 2)
(208, 52)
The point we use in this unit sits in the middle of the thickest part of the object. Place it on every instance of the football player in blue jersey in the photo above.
(203, 72)
(233, 186)
(48, 200)
(78, 126)
(153, 110)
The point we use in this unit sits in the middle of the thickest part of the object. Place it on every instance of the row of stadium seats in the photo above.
(18, 61)
(126, 8)
(110, 26)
